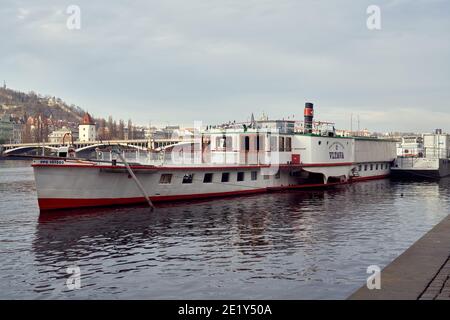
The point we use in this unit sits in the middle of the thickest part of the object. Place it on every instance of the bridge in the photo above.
(87, 146)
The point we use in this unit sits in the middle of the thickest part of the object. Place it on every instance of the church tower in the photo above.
(86, 129)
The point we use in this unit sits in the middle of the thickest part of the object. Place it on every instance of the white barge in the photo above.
(426, 156)
(259, 157)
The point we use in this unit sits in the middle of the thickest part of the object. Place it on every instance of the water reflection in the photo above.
(292, 245)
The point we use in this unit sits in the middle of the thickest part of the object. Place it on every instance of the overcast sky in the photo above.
(176, 61)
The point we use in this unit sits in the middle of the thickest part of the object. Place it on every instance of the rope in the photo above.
(138, 183)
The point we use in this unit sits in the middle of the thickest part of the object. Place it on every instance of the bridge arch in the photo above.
(94, 146)
(21, 150)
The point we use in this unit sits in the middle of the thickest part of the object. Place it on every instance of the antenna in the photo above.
(359, 128)
(351, 122)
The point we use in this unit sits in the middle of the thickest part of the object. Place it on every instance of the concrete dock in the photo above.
(422, 272)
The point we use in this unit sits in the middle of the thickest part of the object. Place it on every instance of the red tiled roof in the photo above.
(87, 119)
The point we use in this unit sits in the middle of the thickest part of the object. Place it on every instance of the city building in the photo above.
(6, 129)
(86, 129)
(10, 130)
(66, 134)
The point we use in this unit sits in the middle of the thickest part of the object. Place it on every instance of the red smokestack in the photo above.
(309, 116)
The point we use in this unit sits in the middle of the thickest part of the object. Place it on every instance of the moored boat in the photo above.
(423, 157)
(235, 159)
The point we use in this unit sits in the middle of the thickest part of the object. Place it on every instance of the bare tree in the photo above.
(130, 130)
(121, 130)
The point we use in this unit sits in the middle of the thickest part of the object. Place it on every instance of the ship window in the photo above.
(240, 176)
(281, 144)
(225, 176)
(208, 178)
(247, 143)
(266, 177)
(224, 143)
(229, 143)
(365, 167)
(360, 168)
(165, 178)
(273, 143)
(371, 167)
(289, 144)
(277, 175)
(254, 175)
(188, 178)
(376, 168)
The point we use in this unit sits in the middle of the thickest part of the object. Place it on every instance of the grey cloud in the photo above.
(213, 60)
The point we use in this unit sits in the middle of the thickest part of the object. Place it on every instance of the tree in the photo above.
(121, 130)
(102, 129)
(130, 130)
(110, 128)
(114, 130)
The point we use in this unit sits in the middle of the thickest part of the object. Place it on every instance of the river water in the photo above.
(293, 245)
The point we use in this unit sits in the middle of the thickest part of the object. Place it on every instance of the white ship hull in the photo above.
(411, 167)
(72, 185)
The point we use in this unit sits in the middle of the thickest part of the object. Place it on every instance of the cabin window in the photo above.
(266, 177)
(281, 144)
(165, 178)
(224, 143)
(240, 176)
(208, 178)
(277, 175)
(188, 178)
(254, 175)
(288, 144)
(273, 143)
(360, 168)
(371, 167)
(229, 143)
(365, 167)
(377, 167)
(247, 143)
(225, 177)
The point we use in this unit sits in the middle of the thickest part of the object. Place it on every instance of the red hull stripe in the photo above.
(60, 203)
(64, 203)
(340, 164)
(358, 179)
